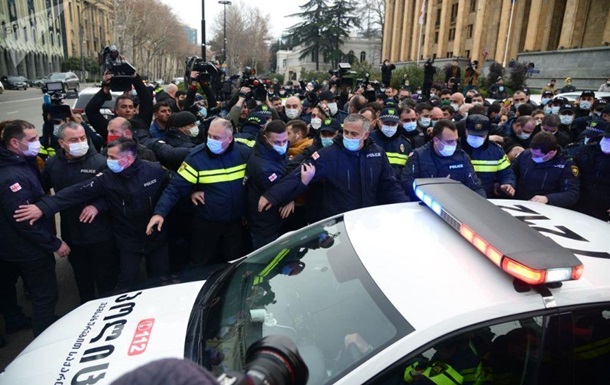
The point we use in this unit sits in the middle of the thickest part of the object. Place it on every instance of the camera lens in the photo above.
(275, 360)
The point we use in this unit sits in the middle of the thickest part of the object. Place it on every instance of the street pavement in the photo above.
(27, 105)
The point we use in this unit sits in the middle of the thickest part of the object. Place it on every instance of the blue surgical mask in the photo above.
(585, 105)
(203, 111)
(280, 149)
(425, 122)
(555, 110)
(538, 159)
(547, 110)
(389, 131)
(447, 150)
(544, 101)
(475, 141)
(351, 144)
(326, 141)
(114, 166)
(409, 126)
(214, 145)
(604, 144)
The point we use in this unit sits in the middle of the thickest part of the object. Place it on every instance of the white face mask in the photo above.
(455, 106)
(389, 131)
(475, 141)
(292, 113)
(78, 149)
(333, 108)
(447, 150)
(33, 148)
(316, 123)
(517, 105)
(566, 119)
(56, 129)
(604, 144)
(194, 131)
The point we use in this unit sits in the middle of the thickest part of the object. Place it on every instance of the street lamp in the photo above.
(224, 48)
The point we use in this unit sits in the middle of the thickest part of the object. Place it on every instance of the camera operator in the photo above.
(124, 107)
(207, 89)
(241, 108)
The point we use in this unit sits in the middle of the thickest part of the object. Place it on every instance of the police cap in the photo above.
(477, 124)
(391, 114)
(330, 125)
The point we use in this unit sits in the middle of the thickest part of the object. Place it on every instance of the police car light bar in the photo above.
(508, 242)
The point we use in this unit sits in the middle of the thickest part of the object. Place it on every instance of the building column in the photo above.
(458, 42)
(532, 41)
(443, 32)
(31, 65)
(606, 34)
(428, 40)
(415, 30)
(477, 34)
(546, 21)
(396, 30)
(405, 39)
(387, 29)
(3, 63)
(568, 25)
(517, 29)
(503, 31)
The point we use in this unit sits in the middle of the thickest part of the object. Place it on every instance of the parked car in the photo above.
(15, 82)
(85, 96)
(69, 80)
(572, 96)
(40, 81)
(1, 88)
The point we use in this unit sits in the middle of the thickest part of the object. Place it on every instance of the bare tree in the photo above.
(373, 12)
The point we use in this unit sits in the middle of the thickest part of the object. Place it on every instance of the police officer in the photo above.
(255, 121)
(440, 158)
(131, 187)
(488, 158)
(356, 171)
(585, 103)
(593, 161)
(26, 250)
(85, 227)
(390, 138)
(266, 167)
(213, 174)
(545, 174)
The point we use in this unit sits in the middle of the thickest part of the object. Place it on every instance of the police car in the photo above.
(452, 290)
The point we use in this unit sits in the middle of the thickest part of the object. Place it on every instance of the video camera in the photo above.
(365, 82)
(343, 75)
(271, 360)
(207, 70)
(110, 60)
(248, 79)
(53, 101)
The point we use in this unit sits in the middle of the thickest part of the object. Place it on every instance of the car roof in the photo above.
(95, 90)
(434, 276)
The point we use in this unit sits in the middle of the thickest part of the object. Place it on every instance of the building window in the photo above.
(25, 33)
(469, 33)
(450, 54)
(451, 34)
(436, 37)
(438, 17)
(454, 11)
(473, 5)
(467, 53)
(362, 57)
(434, 56)
(284, 63)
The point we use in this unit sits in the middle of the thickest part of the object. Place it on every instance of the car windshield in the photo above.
(57, 76)
(84, 99)
(15, 78)
(310, 286)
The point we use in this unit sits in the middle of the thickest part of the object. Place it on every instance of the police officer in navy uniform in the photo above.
(255, 121)
(266, 166)
(27, 250)
(86, 227)
(131, 187)
(441, 158)
(593, 161)
(488, 158)
(356, 171)
(213, 175)
(390, 138)
(545, 174)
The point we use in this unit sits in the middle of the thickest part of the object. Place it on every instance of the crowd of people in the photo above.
(185, 181)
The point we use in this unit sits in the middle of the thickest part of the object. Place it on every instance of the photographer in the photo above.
(206, 87)
(124, 107)
(240, 110)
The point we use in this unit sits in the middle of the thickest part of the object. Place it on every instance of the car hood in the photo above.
(106, 338)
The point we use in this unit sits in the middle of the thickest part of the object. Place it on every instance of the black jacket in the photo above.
(142, 120)
(416, 138)
(353, 179)
(386, 73)
(131, 196)
(220, 177)
(179, 139)
(248, 134)
(557, 179)
(170, 157)
(265, 168)
(426, 163)
(594, 167)
(59, 173)
(20, 185)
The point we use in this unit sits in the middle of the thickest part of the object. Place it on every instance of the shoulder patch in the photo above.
(15, 187)
(99, 174)
(272, 177)
(315, 155)
(402, 148)
(574, 169)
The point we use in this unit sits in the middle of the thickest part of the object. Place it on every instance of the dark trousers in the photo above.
(95, 264)
(39, 277)
(213, 242)
(157, 265)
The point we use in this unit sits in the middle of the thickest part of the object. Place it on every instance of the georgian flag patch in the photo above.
(15, 187)
(315, 155)
(272, 177)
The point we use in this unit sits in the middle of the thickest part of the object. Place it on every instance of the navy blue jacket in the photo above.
(59, 173)
(491, 165)
(178, 139)
(248, 134)
(220, 177)
(265, 168)
(397, 148)
(557, 179)
(131, 196)
(20, 185)
(594, 167)
(352, 179)
(426, 163)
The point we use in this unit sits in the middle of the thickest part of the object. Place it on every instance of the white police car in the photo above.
(381, 295)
